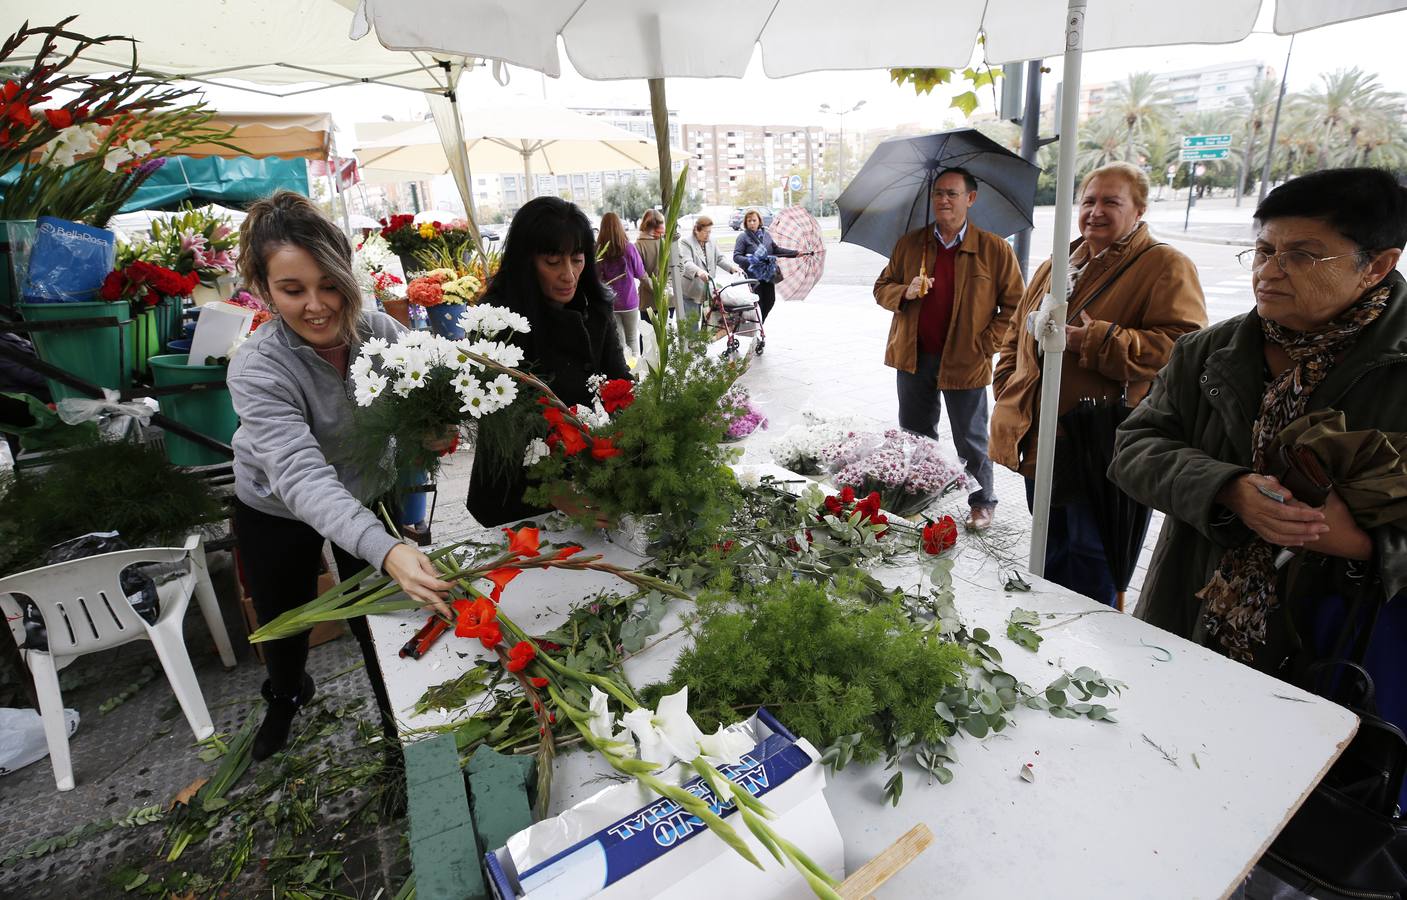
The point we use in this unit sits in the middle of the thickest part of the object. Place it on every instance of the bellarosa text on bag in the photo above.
(69, 262)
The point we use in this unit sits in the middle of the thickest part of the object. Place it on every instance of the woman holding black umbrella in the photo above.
(1131, 297)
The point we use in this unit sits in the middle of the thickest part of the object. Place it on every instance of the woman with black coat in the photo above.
(548, 276)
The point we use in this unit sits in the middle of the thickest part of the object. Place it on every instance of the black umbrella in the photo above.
(1088, 430)
(889, 195)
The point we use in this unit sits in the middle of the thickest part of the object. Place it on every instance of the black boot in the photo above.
(273, 734)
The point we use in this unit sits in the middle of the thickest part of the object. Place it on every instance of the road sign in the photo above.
(795, 183)
(1195, 141)
(1201, 153)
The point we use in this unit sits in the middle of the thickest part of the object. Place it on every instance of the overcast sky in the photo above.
(1376, 45)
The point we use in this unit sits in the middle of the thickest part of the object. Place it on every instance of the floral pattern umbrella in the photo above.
(796, 229)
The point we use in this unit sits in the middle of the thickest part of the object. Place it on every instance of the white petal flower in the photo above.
(667, 734)
(371, 387)
(725, 747)
(503, 389)
(510, 355)
(475, 401)
(536, 452)
(361, 366)
(464, 380)
(138, 148)
(404, 387)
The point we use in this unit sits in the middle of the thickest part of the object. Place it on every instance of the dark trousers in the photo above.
(766, 297)
(279, 560)
(1074, 553)
(920, 411)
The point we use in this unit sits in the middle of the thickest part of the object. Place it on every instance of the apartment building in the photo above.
(721, 156)
(1190, 90)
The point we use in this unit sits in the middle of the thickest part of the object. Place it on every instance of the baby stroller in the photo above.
(733, 308)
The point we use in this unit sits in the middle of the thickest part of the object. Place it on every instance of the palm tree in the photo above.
(1142, 106)
(1344, 97)
(1258, 105)
(1101, 142)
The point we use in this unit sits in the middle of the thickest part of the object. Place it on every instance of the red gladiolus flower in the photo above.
(491, 636)
(475, 619)
(453, 445)
(940, 535)
(538, 681)
(523, 542)
(570, 437)
(519, 657)
(567, 551)
(602, 448)
(58, 118)
(500, 579)
(549, 646)
(618, 393)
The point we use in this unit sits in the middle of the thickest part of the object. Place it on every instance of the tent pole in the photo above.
(469, 212)
(1054, 345)
(529, 189)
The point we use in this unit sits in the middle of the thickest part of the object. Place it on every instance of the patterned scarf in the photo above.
(1242, 590)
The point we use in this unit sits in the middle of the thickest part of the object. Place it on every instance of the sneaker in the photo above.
(278, 719)
(980, 519)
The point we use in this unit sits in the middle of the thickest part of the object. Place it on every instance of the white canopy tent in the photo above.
(291, 46)
(612, 39)
(520, 135)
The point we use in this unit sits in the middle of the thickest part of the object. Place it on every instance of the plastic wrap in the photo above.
(69, 262)
(116, 421)
(801, 448)
(138, 586)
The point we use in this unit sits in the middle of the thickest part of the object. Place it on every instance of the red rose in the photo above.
(940, 535)
(618, 393)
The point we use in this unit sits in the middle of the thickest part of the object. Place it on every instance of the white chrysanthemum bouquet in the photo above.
(416, 394)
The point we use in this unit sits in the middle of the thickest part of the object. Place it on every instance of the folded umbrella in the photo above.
(1368, 468)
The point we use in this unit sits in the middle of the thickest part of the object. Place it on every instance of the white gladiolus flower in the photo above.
(666, 734)
(724, 747)
(116, 157)
(603, 725)
(536, 452)
(369, 388)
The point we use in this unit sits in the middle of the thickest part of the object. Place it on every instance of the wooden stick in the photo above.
(873, 874)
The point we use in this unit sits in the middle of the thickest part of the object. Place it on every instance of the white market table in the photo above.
(1178, 799)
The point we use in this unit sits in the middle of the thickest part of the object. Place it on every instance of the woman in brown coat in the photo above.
(1130, 298)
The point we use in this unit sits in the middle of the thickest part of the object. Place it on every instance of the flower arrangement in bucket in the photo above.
(907, 470)
(194, 240)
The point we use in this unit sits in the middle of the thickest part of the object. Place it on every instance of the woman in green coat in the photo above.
(1328, 332)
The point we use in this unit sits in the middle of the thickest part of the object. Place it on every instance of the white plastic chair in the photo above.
(85, 610)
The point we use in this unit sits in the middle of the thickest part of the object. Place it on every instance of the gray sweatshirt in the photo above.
(293, 408)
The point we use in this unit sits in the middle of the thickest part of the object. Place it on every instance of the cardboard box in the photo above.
(321, 633)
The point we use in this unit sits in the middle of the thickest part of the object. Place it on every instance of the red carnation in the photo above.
(940, 535)
(618, 393)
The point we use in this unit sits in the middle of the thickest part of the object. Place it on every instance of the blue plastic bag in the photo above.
(69, 261)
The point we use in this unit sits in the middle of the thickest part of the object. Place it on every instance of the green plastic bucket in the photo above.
(16, 240)
(210, 412)
(100, 356)
(146, 341)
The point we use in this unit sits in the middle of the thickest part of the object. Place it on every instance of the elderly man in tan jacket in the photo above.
(1130, 298)
(952, 289)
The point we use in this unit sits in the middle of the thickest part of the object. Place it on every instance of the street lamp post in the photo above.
(826, 108)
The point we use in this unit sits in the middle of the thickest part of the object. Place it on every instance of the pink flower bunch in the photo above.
(743, 417)
(909, 472)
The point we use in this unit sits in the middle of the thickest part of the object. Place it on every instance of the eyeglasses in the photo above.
(1291, 262)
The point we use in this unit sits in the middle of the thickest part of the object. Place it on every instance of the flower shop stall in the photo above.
(1048, 807)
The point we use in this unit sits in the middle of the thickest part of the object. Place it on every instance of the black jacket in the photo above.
(567, 345)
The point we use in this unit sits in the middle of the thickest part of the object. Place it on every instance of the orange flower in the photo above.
(566, 551)
(523, 542)
(58, 118)
(476, 620)
(500, 579)
(519, 657)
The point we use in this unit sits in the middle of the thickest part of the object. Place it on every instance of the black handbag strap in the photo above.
(1070, 319)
